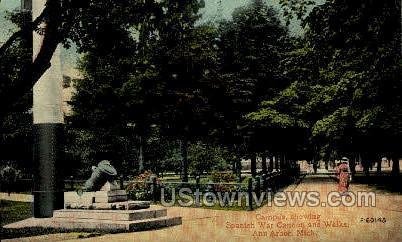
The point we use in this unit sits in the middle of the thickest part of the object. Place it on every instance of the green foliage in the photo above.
(219, 177)
(13, 63)
(331, 125)
(135, 86)
(206, 157)
(252, 45)
(142, 181)
(16, 101)
(141, 186)
(9, 175)
(345, 79)
(295, 9)
(357, 68)
(166, 91)
(272, 118)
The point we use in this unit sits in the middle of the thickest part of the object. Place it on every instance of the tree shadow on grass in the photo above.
(12, 211)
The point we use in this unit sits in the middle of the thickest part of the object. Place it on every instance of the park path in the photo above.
(214, 225)
(17, 197)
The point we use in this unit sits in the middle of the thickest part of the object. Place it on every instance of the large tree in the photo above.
(62, 22)
(150, 77)
(15, 123)
(347, 88)
(252, 45)
(110, 106)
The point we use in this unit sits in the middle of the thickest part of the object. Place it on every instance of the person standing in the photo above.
(343, 173)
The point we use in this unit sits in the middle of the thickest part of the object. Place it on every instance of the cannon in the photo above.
(101, 174)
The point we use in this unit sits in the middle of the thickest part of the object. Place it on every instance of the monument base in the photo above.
(102, 220)
(104, 210)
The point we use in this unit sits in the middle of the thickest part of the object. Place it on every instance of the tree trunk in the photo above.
(239, 168)
(184, 167)
(315, 166)
(352, 166)
(379, 162)
(271, 164)
(395, 164)
(400, 30)
(366, 167)
(276, 162)
(141, 155)
(283, 163)
(234, 166)
(264, 164)
(43, 53)
(253, 165)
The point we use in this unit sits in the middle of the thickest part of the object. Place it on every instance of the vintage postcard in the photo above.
(200, 120)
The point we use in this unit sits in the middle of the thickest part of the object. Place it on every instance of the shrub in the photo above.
(223, 177)
(141, 187)
(9, 176)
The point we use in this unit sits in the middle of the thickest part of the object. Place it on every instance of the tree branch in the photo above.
(24, 30)
(10, 41)
(31, 73)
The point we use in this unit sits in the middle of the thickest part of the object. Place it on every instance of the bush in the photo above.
(206, 157)
(223, 177)
(141, 187)
(9, 176)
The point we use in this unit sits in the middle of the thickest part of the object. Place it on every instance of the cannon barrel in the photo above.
(101, 174)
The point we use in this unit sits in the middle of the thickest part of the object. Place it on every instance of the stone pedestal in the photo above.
(73, 200)
(104, 210)
(127, 205)
(110, 196)
(102, 220)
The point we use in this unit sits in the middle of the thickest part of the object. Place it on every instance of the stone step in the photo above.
(113, 215)
(110, 199)
(108, 225)
(127, 205)
(110, 193)
(97, 224)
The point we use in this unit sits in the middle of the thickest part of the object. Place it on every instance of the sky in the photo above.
(6, 28)
(69, 57)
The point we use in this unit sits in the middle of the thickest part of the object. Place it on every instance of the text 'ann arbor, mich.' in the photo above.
(285, 225)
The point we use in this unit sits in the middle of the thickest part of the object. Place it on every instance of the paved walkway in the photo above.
(17, 197)
(279, 223)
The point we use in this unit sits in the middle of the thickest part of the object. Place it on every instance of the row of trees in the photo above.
(244, 85)
(163, 91)
(345, 83)
(172, 82)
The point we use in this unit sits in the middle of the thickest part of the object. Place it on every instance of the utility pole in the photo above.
(48, 120)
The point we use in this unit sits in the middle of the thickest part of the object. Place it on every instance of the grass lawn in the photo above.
(14, 211)
(11, 211)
